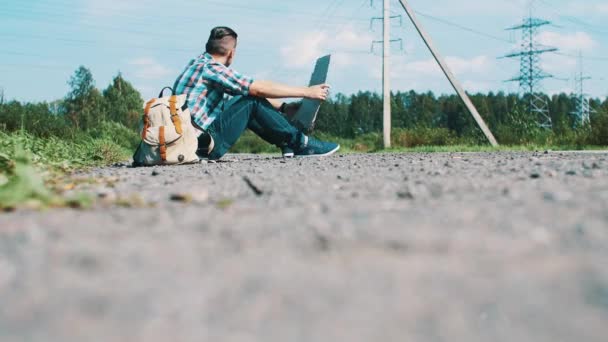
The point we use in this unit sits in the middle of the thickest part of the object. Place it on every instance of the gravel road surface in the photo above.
(383, 247)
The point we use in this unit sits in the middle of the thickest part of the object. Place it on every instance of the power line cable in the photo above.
(593, 58)
(462, 27)
(575, 20)
(68, 11)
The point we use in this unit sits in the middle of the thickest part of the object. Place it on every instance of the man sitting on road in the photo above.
(209, 77)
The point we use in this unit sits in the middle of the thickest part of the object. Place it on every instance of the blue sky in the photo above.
(44, 41)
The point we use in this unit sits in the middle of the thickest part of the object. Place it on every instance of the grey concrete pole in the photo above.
(386, 78)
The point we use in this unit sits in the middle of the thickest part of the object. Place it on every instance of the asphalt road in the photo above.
(389, 247)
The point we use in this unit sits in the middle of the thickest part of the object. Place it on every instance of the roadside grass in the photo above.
(486, 148)
(112, 143)
(35, 172)
(372, 143)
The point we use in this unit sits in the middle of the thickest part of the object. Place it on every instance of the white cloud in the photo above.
(559, 64)
(424, 67)
(303, 50)
(568, 42)
(425, 74)
(475, 65)
(146, 91)
(478, 86)
(149, 69)
(430, 68)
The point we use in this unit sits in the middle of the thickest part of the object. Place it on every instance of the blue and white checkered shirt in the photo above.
(205, 82)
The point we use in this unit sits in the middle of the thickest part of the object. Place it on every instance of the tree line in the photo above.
(506, 115)
(85, 109)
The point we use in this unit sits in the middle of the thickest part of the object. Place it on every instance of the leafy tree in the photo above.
(423, 108)
(365, 111)
(335, 119)
(84, 104)
(34, 118)
(123, 102)
(517, 128)
(599, 126)
(454, 112)
(560, 108)
(400, 112)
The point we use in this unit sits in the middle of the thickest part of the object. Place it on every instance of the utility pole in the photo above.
(530, 70)
(448, 73)
(386, 59)
(386, 78)
(583, 108)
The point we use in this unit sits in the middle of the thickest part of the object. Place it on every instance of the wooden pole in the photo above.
(448, 73)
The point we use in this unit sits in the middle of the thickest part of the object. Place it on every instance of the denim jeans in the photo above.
(258, 115)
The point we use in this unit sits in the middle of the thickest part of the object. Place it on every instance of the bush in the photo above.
(107, 152)
(54, 152)
(599, 130)
(423, 136)
(251, 143)
(117, 133)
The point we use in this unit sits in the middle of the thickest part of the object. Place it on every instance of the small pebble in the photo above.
(557, 196)
(405, 194)
(184, 198)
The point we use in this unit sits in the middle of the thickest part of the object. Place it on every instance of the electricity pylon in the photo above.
(583, 110)
(531, 73)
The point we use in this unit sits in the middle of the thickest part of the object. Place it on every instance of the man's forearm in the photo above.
(273, 90)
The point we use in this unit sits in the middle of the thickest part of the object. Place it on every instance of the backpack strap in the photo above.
(147, 118)
(177, 122)
(165, 88)
(163, 143)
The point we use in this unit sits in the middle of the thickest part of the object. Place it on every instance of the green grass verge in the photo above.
(29, 164)
(372, 143)
(484, 148)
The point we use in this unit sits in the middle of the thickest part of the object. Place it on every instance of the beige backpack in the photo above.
(168, 137)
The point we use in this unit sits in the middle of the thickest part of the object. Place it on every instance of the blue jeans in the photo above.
(258, 115)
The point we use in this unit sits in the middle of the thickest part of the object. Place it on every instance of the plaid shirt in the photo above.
(205, 82)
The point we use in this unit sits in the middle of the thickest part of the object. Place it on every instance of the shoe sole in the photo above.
(321, 155)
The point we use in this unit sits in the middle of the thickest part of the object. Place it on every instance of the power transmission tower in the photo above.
(583, 108)
(386, 80)
(530, 70)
